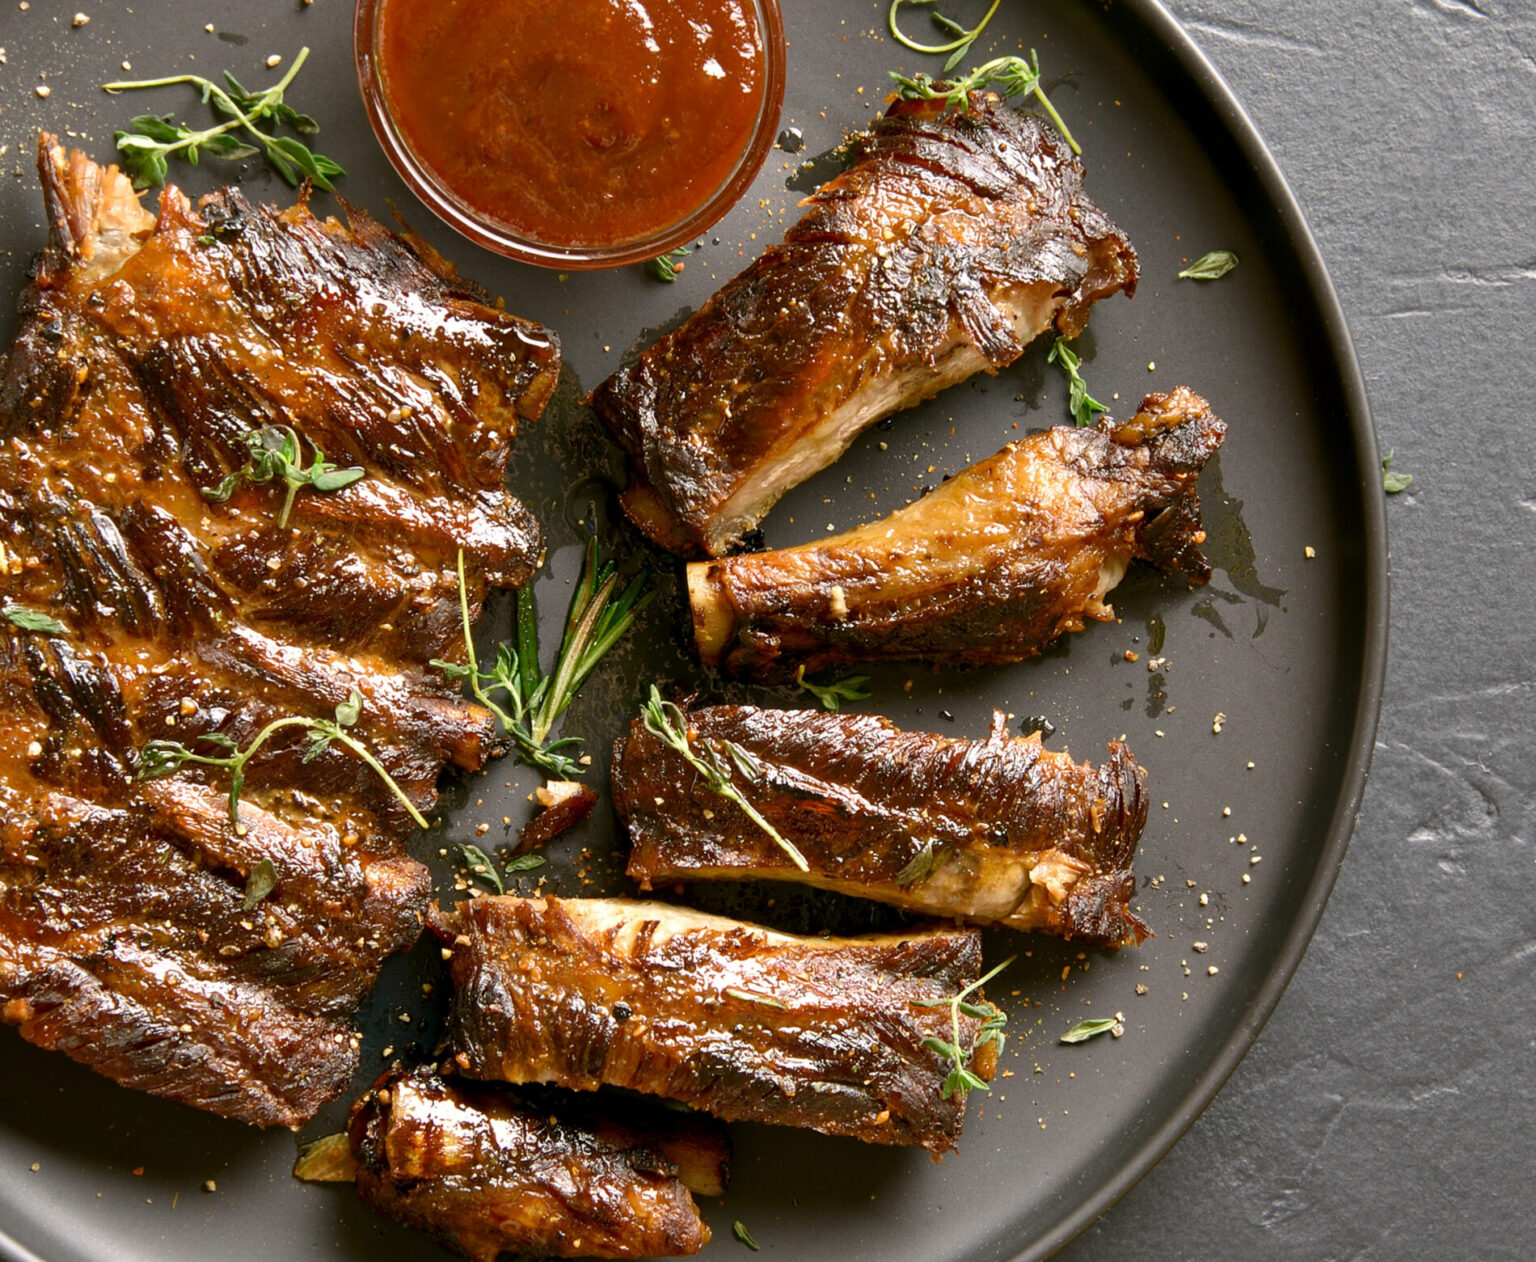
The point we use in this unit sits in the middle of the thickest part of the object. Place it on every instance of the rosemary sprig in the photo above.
(159, 758)
(596, 621)
(993, 1019)
(1013, 74)
(666, 721)
(667, 266)
(150, 140)
(958, 48)
(1080, 403)
(831, 696)
(274, 456)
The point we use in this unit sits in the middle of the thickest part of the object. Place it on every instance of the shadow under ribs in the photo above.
(148, 345)
(1001, 831)
(490, 1170)
(950, 243)
(991, 566)
(736, 1020)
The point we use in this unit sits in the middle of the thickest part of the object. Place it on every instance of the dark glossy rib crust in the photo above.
(731, 1018)
(147, 346)
(989, 567)
(1000, 831)
(489, 1170)
(952, 241)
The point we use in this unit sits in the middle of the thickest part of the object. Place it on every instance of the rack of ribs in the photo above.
(132, 936)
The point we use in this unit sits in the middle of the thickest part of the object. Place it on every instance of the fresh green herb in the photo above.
(150, 140)
(667, 266)
(274, 457)
(739, 1230)
(1391, 483)
(159, 759)
(1013, 74)
(1089, 1029)
(746, 996)
(32, 620)
(524, 862)
(479, 863)
(831, 696)
(921, 866)
(1080, 403)
(596, 621)
(666, 721)
(1212, 266)
(261, 882)
(992, 1019)
(959, 47)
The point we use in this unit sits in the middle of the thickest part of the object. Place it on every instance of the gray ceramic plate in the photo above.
(1290, 649)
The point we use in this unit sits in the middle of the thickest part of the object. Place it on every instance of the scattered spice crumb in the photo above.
(1141, 988)
(1201, 947)
(42, 90)
(1309, 552)
(38, 1165)
(210, 1186)
(274, 60)
(1217, 722)
(81, 19)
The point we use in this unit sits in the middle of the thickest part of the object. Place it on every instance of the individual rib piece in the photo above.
(953, 240)
(489, 1170)
(1000, 831)
(991, 566)
(731, 1018)
(148, 347)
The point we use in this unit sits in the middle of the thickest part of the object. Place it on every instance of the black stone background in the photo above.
(1384, 1111)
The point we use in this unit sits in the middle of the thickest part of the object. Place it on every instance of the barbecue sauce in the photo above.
(578, 123)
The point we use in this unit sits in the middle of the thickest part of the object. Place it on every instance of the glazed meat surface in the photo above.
(1000, 831)
(991, 566)
(489, 1170)
(735, 1020)
(148, 348)
(952, 241)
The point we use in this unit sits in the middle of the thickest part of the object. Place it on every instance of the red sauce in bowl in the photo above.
(578, 123)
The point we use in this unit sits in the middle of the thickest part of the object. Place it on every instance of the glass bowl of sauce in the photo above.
(576, 134)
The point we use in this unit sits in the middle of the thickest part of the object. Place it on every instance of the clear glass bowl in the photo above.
(497, 236)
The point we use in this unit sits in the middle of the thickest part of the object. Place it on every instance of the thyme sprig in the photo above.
(667, 266)
(274, 456)
(530, 702)
(831, 696)
(1013, 75)
(150, 140)
(992, 1019)
(1080, 403)
(482, 865)
(958, 47)
(161, 758)
(714, 760)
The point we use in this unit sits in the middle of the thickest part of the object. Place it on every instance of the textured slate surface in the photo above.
(1386, 1110)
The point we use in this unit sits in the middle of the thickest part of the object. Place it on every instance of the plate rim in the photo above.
(1163, 29)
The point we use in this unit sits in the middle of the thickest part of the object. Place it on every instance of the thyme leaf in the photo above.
(1013, 75)
(667, 266)
(160, 758)
(1212, 266)
(831, 696)
(961, 1080)
(274, 456)
(530, 702)
(1080, 403)
(921, 866)
(1392, 483)
(666, 721)
(1089, 1029)
(524, 862)
(33, 620)
(479, 864)
(150, 140)
(261, 882)
(739, 1230)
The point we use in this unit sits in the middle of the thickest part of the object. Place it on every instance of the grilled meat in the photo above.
(733, 1019)
(148, 347)
(989, 567)
(1000, 831)
(952, 241)
(489, 1170)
